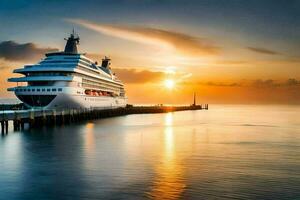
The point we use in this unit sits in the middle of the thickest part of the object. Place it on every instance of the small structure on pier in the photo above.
(194, 104)
(200, 107)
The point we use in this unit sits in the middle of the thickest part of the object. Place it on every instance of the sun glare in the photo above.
(169, 83)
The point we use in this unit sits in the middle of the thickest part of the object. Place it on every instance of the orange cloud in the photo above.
(135, 76)
(183, 44)
(142, 76)
(259, 83)
(6, 68)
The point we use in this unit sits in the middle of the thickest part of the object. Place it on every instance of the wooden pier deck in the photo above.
(42, 117)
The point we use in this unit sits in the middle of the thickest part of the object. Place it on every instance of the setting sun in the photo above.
(169, 83)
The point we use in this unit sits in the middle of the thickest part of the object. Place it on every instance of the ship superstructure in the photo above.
(69, 79)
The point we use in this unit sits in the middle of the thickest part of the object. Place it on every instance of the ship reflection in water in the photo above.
(227, 152)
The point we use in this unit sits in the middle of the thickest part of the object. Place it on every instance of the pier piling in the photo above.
(6, 126)
(2, 127)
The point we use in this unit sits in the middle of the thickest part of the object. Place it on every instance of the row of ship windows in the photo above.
(88, 65)
(89, 70)
(59, 61)
(48, 74)
(67, 59)
(97, 80)
(39, 90)
(93, 66)
(86, 60)
(76, 60)
(100, 83)
(100, 86)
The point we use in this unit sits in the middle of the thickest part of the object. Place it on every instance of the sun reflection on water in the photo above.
(169, 119)
(169, 182)
(89, 138)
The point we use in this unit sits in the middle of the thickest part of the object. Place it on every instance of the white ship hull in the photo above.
(68, 101)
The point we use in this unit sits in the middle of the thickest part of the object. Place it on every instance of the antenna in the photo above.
(74, 33)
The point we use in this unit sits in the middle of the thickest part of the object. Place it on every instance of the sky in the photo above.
(232, 51)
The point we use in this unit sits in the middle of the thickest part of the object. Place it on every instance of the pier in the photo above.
(43, 117)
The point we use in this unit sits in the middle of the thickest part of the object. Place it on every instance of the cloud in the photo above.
(135, 76)
(7, 64)
(292, 82)
(265, 83)
(13, 51)
(259, 83)
(263, 51)
(183, 44)
(221, 84)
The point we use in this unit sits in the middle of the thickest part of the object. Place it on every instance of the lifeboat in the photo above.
(88, 92)
(94, 93)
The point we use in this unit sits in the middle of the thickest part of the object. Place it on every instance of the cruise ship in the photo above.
(69, 80)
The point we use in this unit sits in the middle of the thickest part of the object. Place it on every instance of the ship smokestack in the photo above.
(105, 62)
(72, 41)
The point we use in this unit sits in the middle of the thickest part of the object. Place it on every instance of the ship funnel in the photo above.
(105, 62)
(72, 41)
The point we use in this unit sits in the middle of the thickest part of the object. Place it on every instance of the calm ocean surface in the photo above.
(227, 152)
